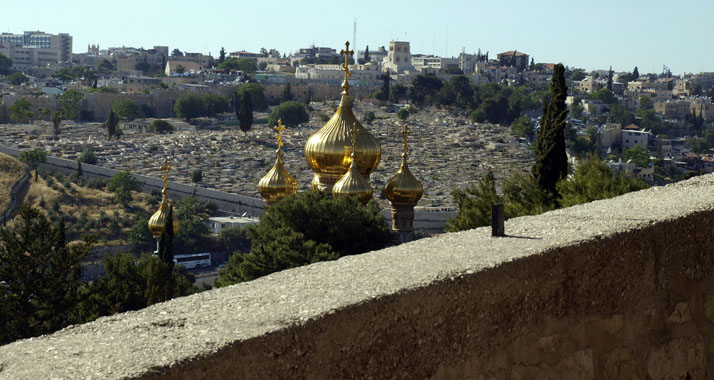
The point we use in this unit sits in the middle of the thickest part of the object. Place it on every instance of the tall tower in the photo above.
(278, 183)
(327, 151)
(354, 39)
(403, 191)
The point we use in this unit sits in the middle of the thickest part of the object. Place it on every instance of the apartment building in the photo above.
(36, 48)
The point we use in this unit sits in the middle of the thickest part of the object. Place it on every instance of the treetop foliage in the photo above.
(39, 277)
(122, 184)
(551, 162)
(256, 93)
(305, 228)
(292, 113)
(190, 106)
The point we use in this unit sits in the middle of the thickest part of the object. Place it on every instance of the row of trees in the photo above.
(189, 106)
(546, 187)
(40, 286)
(493, 102)
(301, 230)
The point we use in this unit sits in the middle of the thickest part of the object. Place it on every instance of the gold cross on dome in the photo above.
(165, 167)
(405, 132)
(347, 53)
(280, 128)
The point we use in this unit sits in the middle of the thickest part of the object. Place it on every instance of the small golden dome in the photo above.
(403, 188)
(278, 183)
(325, 150)
(352, 183)
(157, 222)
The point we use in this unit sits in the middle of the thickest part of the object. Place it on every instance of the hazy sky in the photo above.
(588, 34)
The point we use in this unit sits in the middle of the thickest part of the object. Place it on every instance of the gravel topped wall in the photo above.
(620, 288)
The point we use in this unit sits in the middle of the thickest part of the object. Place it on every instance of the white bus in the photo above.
(194, 260)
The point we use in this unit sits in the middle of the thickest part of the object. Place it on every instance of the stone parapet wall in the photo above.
(615, 289)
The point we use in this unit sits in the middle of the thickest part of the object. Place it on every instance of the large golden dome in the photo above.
(278, 183)
(352, 183)
(157, 222)
(327, 151)
(403, 188)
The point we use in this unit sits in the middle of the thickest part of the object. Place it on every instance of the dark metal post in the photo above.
(497, 227)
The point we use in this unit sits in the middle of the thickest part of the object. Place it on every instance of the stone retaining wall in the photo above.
(615, 289)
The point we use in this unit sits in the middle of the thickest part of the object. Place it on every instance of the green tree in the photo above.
(88, 157)
(604, 95)
(424, 89)
(398, 93)
(129, 284)
(69, 104)
(551, 162)
(221, 55)
(523, 127)
(56, 120)
(287, 93)
(618, 114)
(291, 112)
(161, 126)
(180, 69)
(216, 104)
(639, 156)
(21, 110)
(575, 74)
(635, 74)
(256, 93)
(5, 65)
(245, 65)
(403, 114)
(474, 204)
(301, 229)
(651, 121)
(176, 53)
(196, 178)
(33, 158)
(122, 184)
(646, 103)
(139, 235)
(112, 123)
(194, 233)
(39, 277)
(234, 239)
(368, 118)
(126, 109)
(383, 93)
(593, 180)
(244, 111)
(189, 106)
(105, 66)
(17, 78)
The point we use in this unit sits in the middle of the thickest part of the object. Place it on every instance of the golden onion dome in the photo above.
(325, 151)
(352, 183)
(278, 183)
(403, 188)
(157, 222)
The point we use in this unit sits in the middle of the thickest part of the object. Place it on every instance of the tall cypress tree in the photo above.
(244, 112)
(551, 162)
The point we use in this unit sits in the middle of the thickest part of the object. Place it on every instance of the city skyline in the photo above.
(618, 34)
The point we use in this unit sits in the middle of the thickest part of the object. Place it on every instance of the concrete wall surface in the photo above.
(614, 289)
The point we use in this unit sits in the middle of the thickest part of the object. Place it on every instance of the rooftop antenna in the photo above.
(354, 39)
(446, 47)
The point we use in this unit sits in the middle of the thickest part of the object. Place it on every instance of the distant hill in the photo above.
(11, 170)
